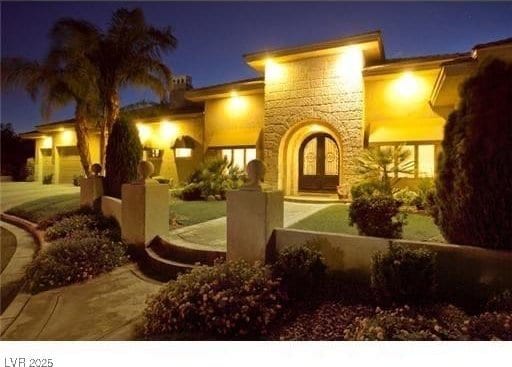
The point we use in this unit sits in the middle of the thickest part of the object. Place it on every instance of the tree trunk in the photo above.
(111, 114)
(82, 140)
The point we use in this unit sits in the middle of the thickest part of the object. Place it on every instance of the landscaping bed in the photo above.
(44, 208)
(335, 219)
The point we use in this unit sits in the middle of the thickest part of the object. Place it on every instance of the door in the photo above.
(69, 164)
(319, 160)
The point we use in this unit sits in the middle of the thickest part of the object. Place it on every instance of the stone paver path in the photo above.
(16, 193)
(105, 308)
(212, 234)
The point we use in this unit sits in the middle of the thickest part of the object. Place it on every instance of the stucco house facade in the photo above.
(310, 112)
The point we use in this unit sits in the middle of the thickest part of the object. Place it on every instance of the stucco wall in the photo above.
(462, 270)
(313, 90)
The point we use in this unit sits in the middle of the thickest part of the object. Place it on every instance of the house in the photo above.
(311, 111)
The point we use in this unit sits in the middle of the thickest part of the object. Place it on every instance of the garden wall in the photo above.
(111, 207)
(463, 271)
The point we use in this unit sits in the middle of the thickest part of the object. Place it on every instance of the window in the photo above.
(426, 160)
(408, 164)
(239, 156)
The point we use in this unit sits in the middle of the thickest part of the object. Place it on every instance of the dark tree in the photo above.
(15, 152)
(124, 152)
(474, 185)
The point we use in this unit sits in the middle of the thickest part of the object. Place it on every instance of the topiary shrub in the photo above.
(377, 215)
(474, 184)
(366, 188)
(301, 270)
(74, 259)
(227, 300)
(404, 275)
(124, 152)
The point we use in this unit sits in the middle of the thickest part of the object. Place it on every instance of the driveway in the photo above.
(16, 193)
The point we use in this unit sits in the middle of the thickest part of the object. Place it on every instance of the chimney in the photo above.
(179, 84)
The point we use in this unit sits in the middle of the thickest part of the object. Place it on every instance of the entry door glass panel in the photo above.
(332, 159)
(310, 153)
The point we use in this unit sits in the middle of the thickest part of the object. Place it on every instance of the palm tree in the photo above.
(59, 81)
(381, 164)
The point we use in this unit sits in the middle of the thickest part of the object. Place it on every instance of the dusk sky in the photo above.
(213, 36)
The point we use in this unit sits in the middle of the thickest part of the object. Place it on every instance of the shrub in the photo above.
(406, 196)
(301, 269)
(232, 299)
(76, 179)
(366, 188)
(48, 179)
(404, 275)
(491, 326)
(405, 323)
(70, 225)
(48, 222)
(377, 216)
(124, 152)
(501, 302)
(213, 178)
(74, 259)
(425, 193)
(474, 184)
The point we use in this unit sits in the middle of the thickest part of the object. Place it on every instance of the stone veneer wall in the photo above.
(312, 89)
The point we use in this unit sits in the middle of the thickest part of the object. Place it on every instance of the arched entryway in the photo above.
(319, 162)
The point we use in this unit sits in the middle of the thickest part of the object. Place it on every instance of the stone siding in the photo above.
(311, 89)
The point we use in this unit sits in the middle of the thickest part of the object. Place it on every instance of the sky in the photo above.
(213, 36)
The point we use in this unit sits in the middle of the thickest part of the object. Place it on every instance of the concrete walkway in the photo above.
(16, 193)
(211, 235)
(105, 308)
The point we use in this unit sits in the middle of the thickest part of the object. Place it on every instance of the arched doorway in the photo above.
(319, 162)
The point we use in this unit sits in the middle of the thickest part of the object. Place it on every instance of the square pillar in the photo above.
(144, 212)
(91, 191)
(252, 215)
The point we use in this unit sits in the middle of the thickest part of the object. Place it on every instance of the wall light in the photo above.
(144, 132)
(47, 142)
(407, 86)
(67, 137)
(237, 103)
(349, 67)
(273, 71)
(168, 130)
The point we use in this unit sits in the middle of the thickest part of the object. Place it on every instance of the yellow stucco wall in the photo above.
(233, 118)
(397, 107)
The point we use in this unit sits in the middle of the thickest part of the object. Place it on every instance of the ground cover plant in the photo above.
(44, 208)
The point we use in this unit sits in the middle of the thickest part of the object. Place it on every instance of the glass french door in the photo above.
(319, 162)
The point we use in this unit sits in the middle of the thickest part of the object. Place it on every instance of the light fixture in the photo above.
(67, 137)
(237, 103)
(168, 130)
(273, 71)
(47, 142)
(407, 86)
(349, 67)
(183, 147)
(144, 132)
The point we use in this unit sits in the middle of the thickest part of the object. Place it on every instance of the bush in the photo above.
(405, 323)
(404, 275)
(474, 184)
(301, 270)
(74, 259)
(76, 179)
(124, 152)
(501, 302)
(93, 222)
(232, 299)
(406, 196)
(48, 222)
(377, 216)
(48, 179)
(366, 188)
(213, 178)
(491, 326)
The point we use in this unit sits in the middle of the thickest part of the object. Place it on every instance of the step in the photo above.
(180, 251)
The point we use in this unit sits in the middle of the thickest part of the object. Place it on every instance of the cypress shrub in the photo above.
(124, 152)
(474, 184)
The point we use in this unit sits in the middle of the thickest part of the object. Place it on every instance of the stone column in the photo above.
(91, 188)
(145, 208)
(252, 215)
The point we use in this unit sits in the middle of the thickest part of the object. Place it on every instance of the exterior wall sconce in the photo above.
(183, 147)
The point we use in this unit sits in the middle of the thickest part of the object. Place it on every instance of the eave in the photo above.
(242, 87)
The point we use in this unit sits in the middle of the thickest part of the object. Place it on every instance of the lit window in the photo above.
(239, 156)
(408, 164)
(228, 154)
(426, 160)
(250, 154)
(183, 152)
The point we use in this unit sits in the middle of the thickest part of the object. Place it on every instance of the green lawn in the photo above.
(335, 219)
(187, 213)
(40, 209)
(7, 247)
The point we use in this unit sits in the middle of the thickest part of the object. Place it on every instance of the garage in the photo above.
(69, 164)
(46, 160)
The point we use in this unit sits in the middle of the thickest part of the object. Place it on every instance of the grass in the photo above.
(334, 219)
(43, 208)
(7, 247)
(187, 213)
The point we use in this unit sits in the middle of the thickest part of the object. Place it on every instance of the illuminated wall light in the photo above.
(67, 137)
(407, 86)
(273, 71)
(144, 132)
(47, 142)
(350, 63)
(237, 103)
(168, 130)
